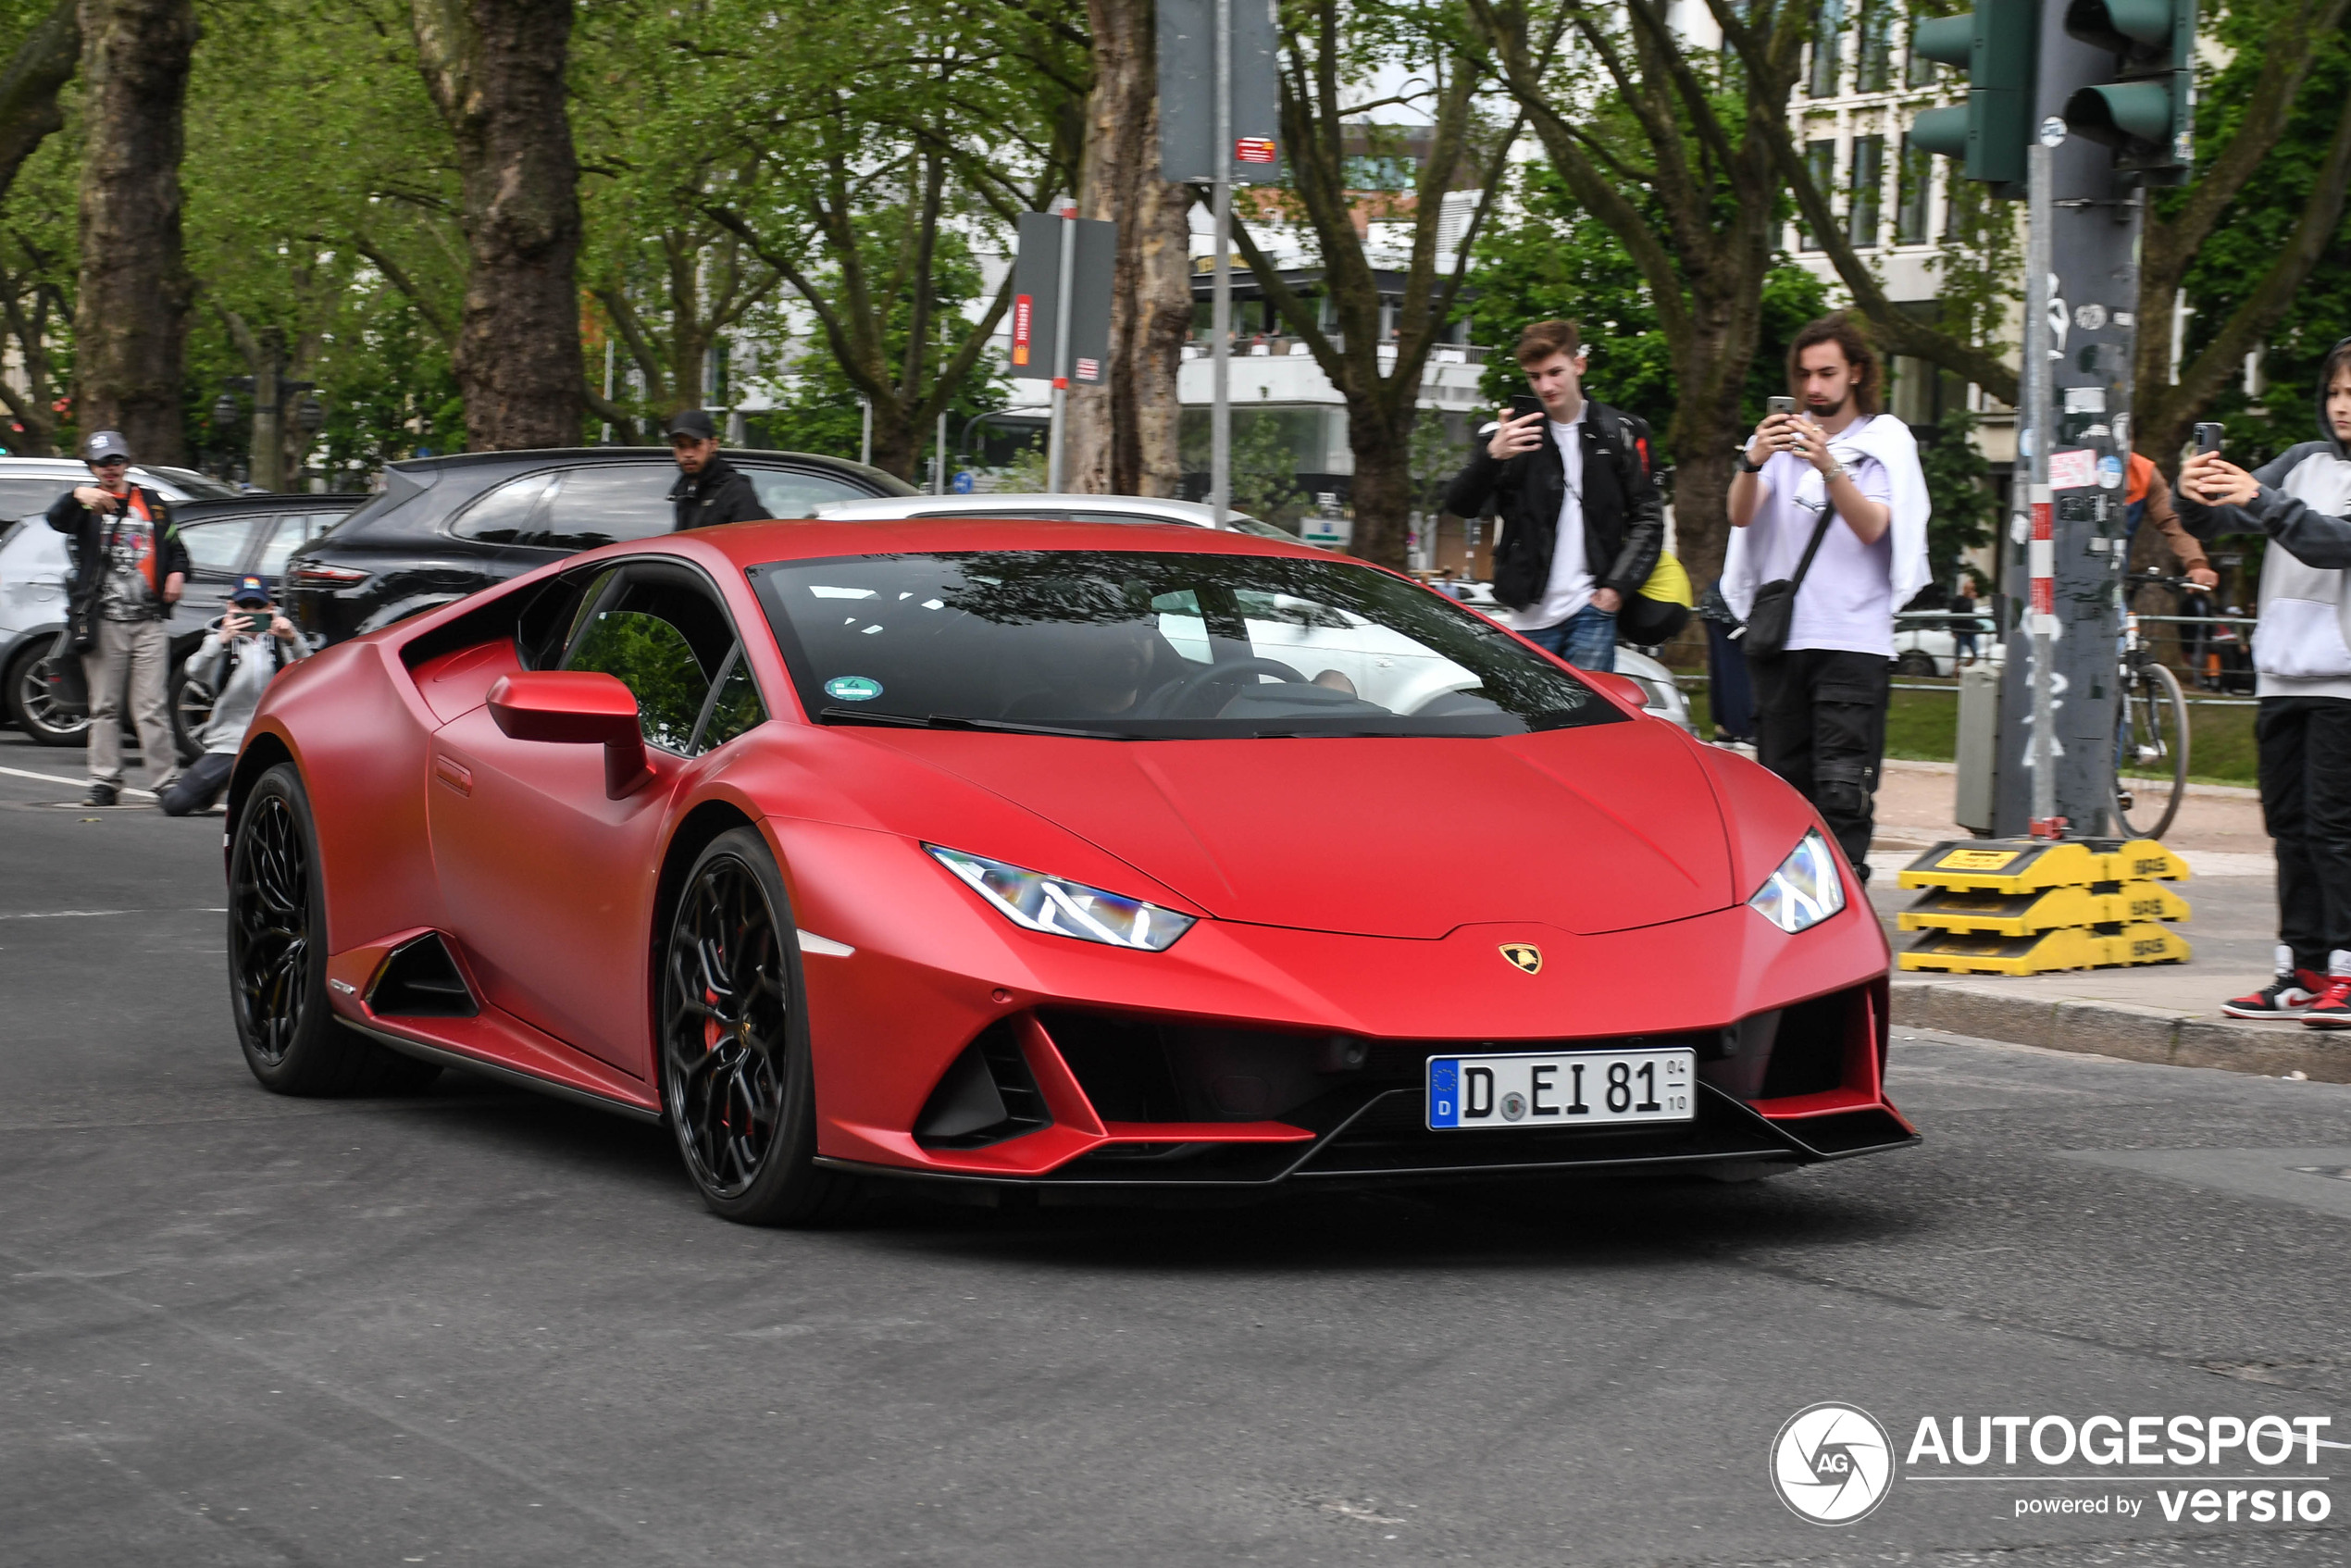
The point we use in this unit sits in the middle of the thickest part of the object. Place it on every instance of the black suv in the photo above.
(447, 527)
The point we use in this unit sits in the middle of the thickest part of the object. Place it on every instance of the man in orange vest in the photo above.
(129, 568)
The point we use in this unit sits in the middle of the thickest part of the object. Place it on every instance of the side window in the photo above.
(784, 493)
(665, 638)
(507, 515)
(286, 534)
(596, 506)
(23, 498)
(735, 707)
(217, 548)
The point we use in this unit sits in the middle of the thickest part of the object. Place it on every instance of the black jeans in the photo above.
(198, 785)
(2305, 804)
(1819, 723)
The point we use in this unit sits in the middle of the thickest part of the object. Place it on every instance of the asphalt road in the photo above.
(479, 1326)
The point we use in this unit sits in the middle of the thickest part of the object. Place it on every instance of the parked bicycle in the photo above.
(2150, 728)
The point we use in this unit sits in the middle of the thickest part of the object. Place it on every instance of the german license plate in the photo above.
(1573, 1089)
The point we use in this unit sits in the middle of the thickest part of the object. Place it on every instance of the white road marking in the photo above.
(58, 778)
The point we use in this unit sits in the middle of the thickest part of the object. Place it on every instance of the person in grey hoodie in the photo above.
(2302, 662)
(241, 654)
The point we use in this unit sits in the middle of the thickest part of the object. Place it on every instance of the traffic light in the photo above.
(2147, 113)
(1997, 42)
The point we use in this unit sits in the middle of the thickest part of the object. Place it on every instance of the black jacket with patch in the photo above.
(90, 540)
(1624, 515)
(720, 493)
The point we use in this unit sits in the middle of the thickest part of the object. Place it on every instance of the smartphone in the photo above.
(1779, 406)
(1523, 404)
(2207, 436)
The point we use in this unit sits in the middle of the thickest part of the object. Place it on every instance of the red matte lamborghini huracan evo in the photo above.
(1071, 857)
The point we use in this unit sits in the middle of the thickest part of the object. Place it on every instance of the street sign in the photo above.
(1187, 139)
(1036, 296)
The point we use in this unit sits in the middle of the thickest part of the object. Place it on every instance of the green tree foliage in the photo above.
(1554, 259)
(2230, 268)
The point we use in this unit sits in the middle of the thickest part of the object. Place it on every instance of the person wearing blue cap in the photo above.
(241, 654)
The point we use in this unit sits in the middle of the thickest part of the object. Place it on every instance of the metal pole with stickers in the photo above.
(2079, 108)
(1219, 101)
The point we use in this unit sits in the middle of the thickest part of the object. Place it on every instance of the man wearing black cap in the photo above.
(241, 654)
(129, 568)
(710, 490)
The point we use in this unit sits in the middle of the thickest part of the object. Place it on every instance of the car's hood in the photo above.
(1601, 828)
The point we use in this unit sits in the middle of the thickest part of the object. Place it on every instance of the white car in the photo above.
(1926, 643)
(1048, 508)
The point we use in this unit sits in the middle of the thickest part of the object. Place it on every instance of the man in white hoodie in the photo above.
(241, 654)
(1833, 501)
(2301, 661)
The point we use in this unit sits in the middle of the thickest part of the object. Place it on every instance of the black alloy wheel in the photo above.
(291, 1038)
(735, 1079)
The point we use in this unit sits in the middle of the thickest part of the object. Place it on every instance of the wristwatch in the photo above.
(1739, 451)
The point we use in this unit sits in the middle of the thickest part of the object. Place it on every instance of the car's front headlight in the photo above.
(1037, 902)
(1807, 888)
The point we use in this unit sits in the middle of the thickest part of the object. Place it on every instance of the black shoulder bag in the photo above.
(1774, 612)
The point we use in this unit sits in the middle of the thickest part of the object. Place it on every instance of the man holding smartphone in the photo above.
(2302, 666)
(1582, 521)
(241, 654)
(129, 569)
(1829, 504)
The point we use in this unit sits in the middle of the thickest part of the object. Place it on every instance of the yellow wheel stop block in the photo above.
(2027, 865)
(2018, 914)
(1988, 953)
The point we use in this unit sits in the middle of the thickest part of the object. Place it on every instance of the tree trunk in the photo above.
(1123, 434)
(44, 62)
(495, 70)
(130, 331)
(1380, 495)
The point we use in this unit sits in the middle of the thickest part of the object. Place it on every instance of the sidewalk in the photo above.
(2164, 1013)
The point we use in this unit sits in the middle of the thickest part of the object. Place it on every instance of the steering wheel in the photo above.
(1170, 701)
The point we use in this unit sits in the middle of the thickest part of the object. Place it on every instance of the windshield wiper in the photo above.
(838, 715)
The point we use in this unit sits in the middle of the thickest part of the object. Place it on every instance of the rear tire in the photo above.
(291, 1039)
(34, 708)
(189, 702)
(738, 1087)
(2150, 751)
(1915, 664)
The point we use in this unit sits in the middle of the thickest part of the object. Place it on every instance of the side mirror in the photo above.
(585, 707)
(1623, 687)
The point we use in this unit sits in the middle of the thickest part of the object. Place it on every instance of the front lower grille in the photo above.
(986, 1096)
(1392, 1136)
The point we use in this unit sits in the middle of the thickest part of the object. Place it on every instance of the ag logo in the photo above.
(1527, 955)
(1832, 1463)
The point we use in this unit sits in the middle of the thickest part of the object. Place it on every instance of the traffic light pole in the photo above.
(2033, 481)
(2066, 539)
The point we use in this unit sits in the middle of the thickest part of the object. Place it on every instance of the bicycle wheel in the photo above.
(2150, 751)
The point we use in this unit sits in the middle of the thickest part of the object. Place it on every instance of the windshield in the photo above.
(1133, 645)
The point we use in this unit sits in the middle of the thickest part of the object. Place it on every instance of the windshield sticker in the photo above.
(823, 592)
(853, 687)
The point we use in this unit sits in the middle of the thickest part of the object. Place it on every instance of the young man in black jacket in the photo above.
(710, 490)
(1582, 521)
(129, 568)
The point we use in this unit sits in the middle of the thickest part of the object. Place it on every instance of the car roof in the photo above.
(525, 457)
(752, 545)
(266, 501)
(1190, 512)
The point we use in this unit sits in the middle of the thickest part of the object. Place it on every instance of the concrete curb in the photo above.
(2116, 1028)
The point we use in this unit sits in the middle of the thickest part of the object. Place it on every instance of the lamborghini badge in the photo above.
(1527, 955)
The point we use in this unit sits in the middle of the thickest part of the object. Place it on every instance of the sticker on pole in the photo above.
(2077, 469)
(1089, 370)
(1253, 149)
(1023, 319)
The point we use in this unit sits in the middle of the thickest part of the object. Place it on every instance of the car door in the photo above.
(549, 883)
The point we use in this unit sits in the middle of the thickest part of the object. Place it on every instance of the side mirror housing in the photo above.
(584, 707)
(1623, 687)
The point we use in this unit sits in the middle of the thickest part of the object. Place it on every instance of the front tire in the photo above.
(738, 1087)
(291, 1038)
